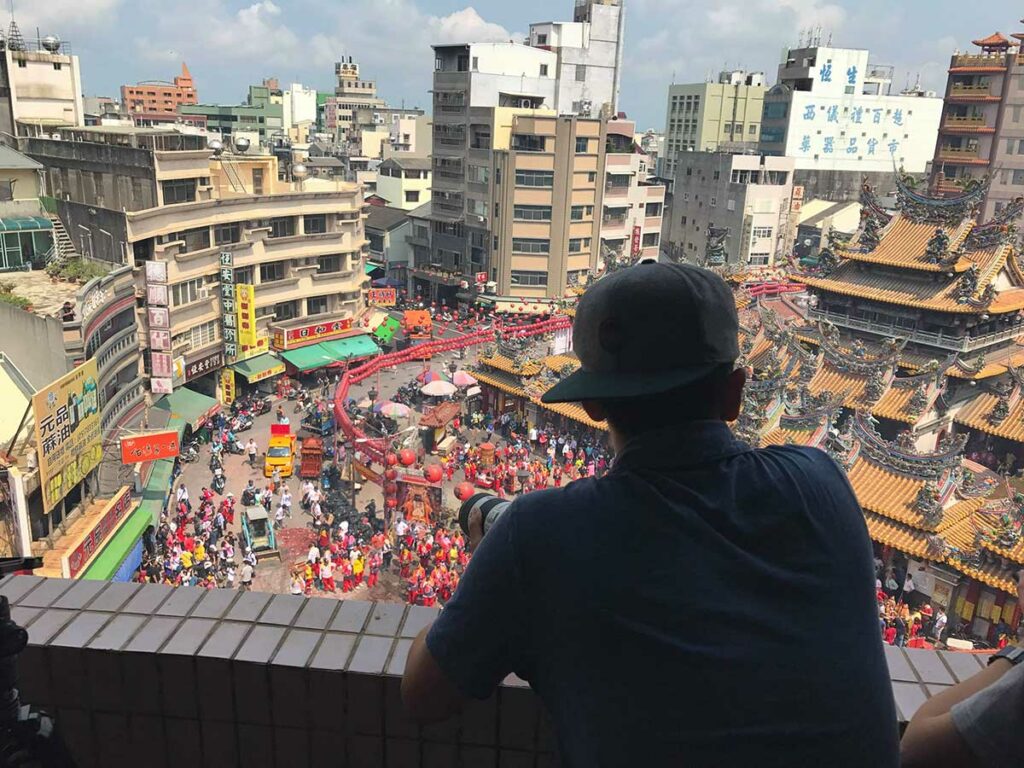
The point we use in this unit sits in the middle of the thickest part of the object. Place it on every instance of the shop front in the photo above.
(326, 354)
(189, 410)
(257, 373)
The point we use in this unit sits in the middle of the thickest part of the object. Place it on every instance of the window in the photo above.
(412, 197)
(522, 277)
(316, 305)
(542, 39)
(760, 232)
(651, 239)
(535, 178)
(752, 129)
(524, 142)
(543, 70)
(264, 311)
(652, 209)
(198, 336)
(186, 292)
(592, 176)
(581, 73)
(714, 202)
(328, 264)
(775, 110)
(581, 212)
(194, 239)
(286, 310)
(582, 145)
(179, 191)
(269, 273)
(227, 233)
(283, 226)
(257, 181)
(579, 244)
(22, 63)
(773, 134)
(476, 63)
(717, 175)
(315, 224)
(759, 259)
(1018, 177)
(57, 66)
(479, 174)
(530, 245)
(244, 276)
(530, 212)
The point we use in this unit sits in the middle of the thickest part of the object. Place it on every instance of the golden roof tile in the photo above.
(993, 574)
(557, 362)
(502, 363)
(572, 411)
(895, 405)
(784, 436)
(850, 385)
(505, 383)
(902, 537)
(904, 243)
(976, 415)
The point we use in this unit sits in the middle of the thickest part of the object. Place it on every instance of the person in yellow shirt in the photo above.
(186, 560)
(200, 554)
(357, 569)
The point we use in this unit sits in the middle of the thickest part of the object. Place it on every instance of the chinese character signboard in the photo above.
(68, 435)
(204, 365)
(228, 304)
(262, 345)
(292, 338)
(161, 365)
(116, 510)
(160, 340)
(382, 297)
(227, 386)
(156, 295)
(636, 241)
(156, 272)
(159, 318)
(480, 278)
(245, 298)
(149, 447)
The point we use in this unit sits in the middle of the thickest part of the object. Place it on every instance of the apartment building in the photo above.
(40, 86)
(832, 110)
(704, 117)
(258, 119)
(152, 98)
(303, 253)
(632, 208)
(982, 129)
(731, 209)
(404, 181)
(351, 93)
(589, 57)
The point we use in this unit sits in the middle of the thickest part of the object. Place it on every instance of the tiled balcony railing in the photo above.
(159, 676)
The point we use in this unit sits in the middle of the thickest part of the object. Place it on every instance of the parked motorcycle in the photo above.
(218, 482)
(190, 453)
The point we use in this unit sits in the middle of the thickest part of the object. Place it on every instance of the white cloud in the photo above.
(61, 17)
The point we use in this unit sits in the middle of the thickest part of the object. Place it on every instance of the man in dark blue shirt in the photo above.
(705, 603)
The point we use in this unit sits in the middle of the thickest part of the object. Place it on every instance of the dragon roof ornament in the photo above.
(903, 458)
(922, 208)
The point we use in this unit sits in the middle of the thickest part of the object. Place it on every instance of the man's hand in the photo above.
(476, 529)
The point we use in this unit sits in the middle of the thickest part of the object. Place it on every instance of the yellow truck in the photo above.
(280, 451)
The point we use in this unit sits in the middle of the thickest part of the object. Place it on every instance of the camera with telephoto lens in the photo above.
(490, 506)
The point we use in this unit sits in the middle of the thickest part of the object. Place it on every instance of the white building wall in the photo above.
(837, 127)
(40, 91)
(302, 101)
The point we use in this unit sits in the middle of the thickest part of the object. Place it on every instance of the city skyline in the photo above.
(240, 43)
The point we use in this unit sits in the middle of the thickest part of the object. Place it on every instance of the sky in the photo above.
(230, 44)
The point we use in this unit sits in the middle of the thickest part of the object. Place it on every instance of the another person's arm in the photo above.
(978, 722)
(476, 641)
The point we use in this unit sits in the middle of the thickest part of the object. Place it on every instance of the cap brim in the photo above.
(589, 385)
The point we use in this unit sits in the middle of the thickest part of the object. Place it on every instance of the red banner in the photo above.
(76, 560)
(382, 297)
(155, 445)
(308, 334)
(636, 241)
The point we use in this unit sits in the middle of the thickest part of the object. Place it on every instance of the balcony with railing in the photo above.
(961, 156)
(153, 675)
(953, 342)
(978, 63)
(966, 124)
(972, 92)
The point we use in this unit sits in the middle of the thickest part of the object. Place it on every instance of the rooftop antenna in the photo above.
(829, 43)
(14, 39)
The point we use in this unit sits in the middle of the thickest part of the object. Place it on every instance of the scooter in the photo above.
(190, 453)
(218, 482)
(215, 463)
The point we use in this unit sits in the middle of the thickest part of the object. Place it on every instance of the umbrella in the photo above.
(428, 376)
(393, 410)
(463, 379)
(438, 389)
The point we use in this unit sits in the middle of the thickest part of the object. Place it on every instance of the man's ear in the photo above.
(732, 398)
(594, 410)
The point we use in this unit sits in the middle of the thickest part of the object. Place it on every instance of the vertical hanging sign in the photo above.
(229, 305)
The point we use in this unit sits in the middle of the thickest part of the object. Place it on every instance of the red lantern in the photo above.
(391, 474)
(433, 473)
(390, 489)
(463, 491)
(406, 457)
(391, 502)
(390, 459)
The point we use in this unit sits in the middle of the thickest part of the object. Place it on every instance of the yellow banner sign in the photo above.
(227, 386)
(68, 435)
(245, 301)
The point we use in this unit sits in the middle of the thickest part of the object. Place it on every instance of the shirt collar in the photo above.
(678, 446)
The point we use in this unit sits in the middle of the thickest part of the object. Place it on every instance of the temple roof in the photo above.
(904, 244)
(995, 40)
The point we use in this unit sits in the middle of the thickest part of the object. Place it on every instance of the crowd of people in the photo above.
(903, 619)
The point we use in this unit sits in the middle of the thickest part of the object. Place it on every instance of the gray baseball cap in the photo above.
(648, 329)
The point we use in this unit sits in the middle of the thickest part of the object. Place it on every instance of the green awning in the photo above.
(191, 407)
(386, 331)
(116, 550)
(24, 223)
(307, 358)
(351, 348)
(370, 268)
(258, 368)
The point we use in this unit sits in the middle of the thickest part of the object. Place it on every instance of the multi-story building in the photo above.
(632, 210)
(589, 63)
(40, 86)
(409, 134)
(351, 94)
(833, 112)
(734, 209)
(158, 97)
(299, 111)
(653, 145)
(703, 117)
(404, 181)
(982, 129)
(27, 238)
(303, 251)
(261, 117)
